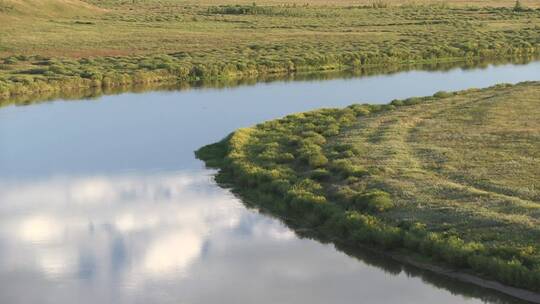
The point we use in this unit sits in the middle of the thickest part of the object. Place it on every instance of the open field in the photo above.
(453, 178)
(57, 45)
(454, 3)
(77, 29)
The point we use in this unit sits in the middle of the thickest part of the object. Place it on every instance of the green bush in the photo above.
(319, 174)
(317, 160)
(442, 94)
(375, 201)
(345, 168)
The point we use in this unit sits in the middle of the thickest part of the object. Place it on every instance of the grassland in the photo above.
(452, 179)
(59, 45)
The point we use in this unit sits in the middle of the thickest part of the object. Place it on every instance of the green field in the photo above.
(59, 45)
(453, 178)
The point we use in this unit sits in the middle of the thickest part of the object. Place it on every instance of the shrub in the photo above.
(397, 102)
(360, 110)
(280, 186)
(304, 198)
(347, 154)
(312, 155)
(313, 137)
(343, 147)
(285, 157)
(317, 160)
(442, 94)
(331, 130)
(375, 201)
(319, 174)
(345, 195)
(412, 101)
(346, 168)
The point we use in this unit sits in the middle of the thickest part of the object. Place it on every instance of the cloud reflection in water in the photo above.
(170, 238)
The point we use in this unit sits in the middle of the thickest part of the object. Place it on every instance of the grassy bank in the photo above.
(94, 92)
(451, 179)
(60, 45)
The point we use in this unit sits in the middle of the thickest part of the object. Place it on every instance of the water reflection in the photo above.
(96, 229)
(173, 237)
(171, 212)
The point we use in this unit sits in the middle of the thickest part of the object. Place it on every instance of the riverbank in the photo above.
(94, 92)
(448, 177)
(400, 256)
(181, 42)
(24, 87)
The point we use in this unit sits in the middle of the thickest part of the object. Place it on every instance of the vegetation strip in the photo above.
(44, 51)
(78, 93)
(450, 179)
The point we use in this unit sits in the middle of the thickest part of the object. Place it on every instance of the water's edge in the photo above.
(402, 258)
(168, 83)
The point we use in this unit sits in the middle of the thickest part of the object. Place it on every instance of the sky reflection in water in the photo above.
(170, 238)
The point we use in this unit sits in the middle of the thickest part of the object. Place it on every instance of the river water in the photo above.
(103, 201)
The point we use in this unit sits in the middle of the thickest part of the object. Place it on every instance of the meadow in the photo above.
(60, 45)
(450, 179)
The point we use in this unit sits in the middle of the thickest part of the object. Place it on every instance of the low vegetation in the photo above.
(453, 178)
(78, 93)
(58, 45)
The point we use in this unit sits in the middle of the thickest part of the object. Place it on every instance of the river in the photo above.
(103, 201)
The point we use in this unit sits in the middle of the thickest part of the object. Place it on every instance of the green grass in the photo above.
(59, 45)
(454, 177)
(94, 92)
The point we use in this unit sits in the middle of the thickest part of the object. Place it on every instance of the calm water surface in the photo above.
(102, 201)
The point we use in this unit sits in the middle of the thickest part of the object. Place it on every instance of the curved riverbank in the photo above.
(362, 188)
